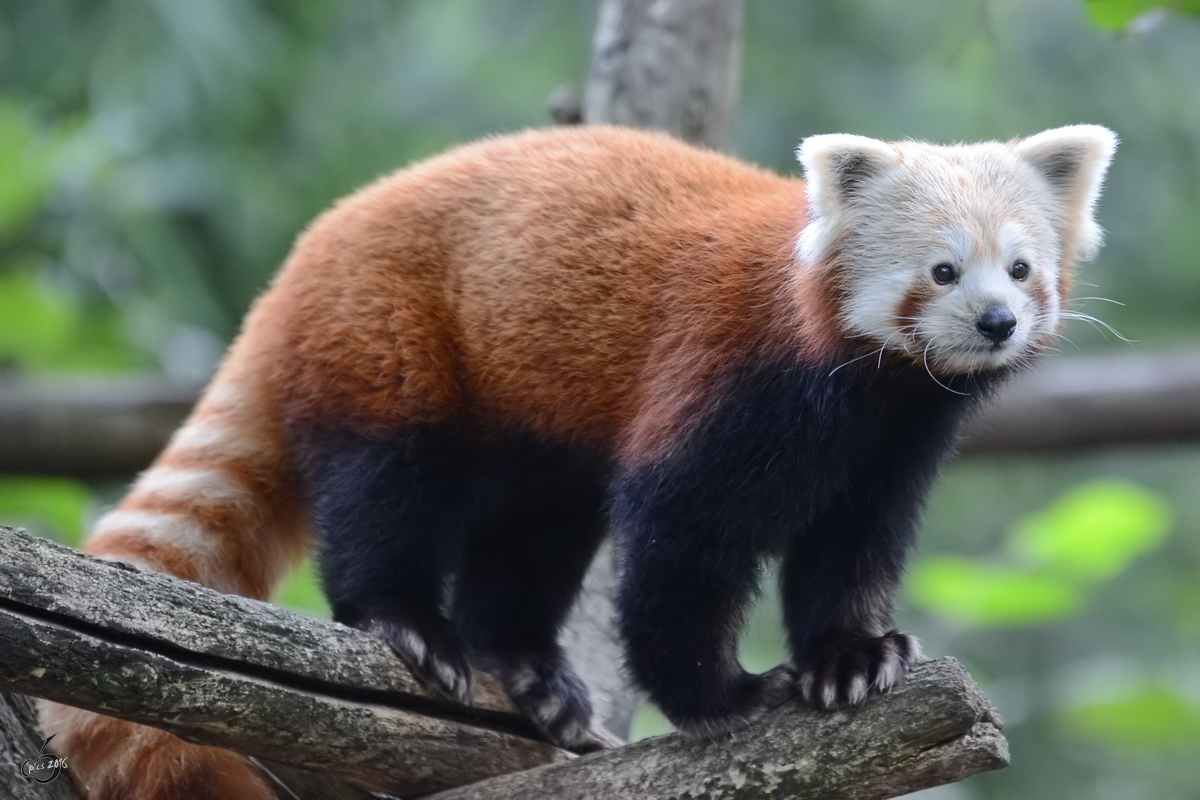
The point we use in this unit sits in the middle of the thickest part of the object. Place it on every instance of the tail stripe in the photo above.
(208, 435)
(199, 487)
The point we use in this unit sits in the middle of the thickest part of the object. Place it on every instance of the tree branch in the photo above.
(937, 727)
(237, 673)
(231, 672)
(1072, 403)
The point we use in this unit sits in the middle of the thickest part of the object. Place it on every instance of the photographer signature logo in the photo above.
(46, 767)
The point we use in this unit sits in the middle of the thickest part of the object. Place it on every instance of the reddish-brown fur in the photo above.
(591, 284)
(476, 293)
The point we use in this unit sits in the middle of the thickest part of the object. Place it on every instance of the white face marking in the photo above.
(882, 217)
(946, 213)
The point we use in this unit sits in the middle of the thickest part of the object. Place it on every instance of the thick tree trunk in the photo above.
(672, 65)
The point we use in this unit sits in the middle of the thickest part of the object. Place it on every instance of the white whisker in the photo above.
(1068, 341)
(925, 359)
(856, 358)
(1099, 324)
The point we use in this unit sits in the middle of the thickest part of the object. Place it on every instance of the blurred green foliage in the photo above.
(157, 158)
(1145, 719)
(982, 594)
(1090, 534)
(302, 592)
(1118, 15)
(54, 506)
(1093, 532)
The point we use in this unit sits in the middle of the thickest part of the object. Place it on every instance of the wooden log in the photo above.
(1074, 403)
(233, 672)
(936, 727)
(97, 428)
(236, 673)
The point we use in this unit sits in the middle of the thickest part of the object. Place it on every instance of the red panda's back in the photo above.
(527, 277)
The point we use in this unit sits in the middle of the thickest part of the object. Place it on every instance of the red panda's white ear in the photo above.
(840, 171)
(1073, 161)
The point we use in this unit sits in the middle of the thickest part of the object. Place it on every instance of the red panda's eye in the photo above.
(943, 274)
(1020, 270)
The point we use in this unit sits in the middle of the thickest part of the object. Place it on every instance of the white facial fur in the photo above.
(883, 216)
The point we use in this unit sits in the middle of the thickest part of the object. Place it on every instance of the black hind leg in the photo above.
(391, 517)
(519, 577)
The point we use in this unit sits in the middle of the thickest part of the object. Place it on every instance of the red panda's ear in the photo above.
(840, 171)
(1073, 161)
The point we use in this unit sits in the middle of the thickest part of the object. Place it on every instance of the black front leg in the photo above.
(689, 569)
(839, 578)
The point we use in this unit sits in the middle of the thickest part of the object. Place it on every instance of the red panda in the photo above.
(469, 371)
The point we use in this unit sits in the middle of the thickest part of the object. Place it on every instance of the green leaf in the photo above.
(1151, 718)
(1117, 15)
(986, 595)
(45, 505)
(302, 592)
(1094, 531)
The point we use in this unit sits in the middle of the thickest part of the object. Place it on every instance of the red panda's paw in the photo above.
(550, 694)
(111, 759)
(848, 672)
(432, 650)
(758, 695)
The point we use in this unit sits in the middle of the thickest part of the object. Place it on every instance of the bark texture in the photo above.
(232, 672)
(236, 673)
(672, 65)
(937, 727)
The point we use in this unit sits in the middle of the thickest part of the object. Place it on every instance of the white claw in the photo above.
(858, 690)
(829, 693)
(805, 685)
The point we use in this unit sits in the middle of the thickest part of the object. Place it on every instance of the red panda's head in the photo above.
(959, 255)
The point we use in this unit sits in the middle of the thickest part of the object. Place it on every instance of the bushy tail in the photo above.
(220, 506)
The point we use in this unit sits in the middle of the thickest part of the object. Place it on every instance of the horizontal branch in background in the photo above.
(233, 672)
(96, 428)
(1071, 403)
(114, 428)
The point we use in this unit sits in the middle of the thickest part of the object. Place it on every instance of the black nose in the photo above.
(997, 323)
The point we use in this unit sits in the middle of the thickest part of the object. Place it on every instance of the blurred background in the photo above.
(158, 157)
